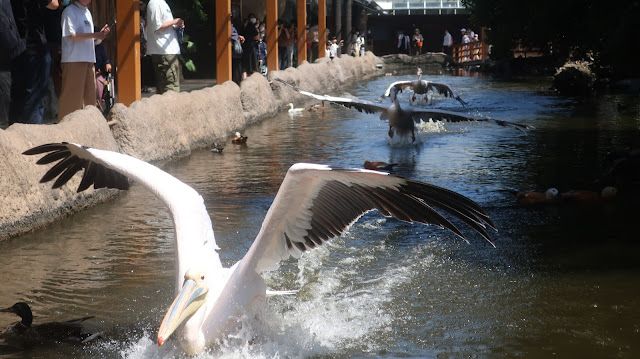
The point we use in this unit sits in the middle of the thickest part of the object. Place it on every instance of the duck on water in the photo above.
(26, 332)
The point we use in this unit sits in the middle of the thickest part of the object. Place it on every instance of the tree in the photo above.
(600, 31)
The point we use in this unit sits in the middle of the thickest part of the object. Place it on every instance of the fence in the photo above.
(476, 51)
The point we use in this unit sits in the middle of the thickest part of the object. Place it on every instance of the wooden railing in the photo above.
(476, 51)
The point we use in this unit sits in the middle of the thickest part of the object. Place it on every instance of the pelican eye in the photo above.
(201, 277)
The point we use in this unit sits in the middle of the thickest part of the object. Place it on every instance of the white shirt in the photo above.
(163, 42)
(333, 50)
(448, 40)
(76, 19)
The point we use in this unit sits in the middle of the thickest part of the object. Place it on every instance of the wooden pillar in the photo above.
(302, 31)
(128, 51)
(223, 41)
(322, 27)
(337, 8)
(348, 36)
(272, 35)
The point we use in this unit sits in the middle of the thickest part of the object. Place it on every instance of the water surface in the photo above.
(562, 280)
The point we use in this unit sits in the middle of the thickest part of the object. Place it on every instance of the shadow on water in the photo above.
(563, 279)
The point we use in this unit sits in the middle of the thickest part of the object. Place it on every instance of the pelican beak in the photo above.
(190, 299)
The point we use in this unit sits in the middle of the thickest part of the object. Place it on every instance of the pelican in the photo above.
(402, 120)
(314, 204)
(25, 331)
(420, 87)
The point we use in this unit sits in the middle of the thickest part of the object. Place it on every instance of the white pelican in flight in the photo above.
(402, 121)
(420, 87)
(314, 204)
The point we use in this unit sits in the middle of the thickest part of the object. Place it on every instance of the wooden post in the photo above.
(272, 35)
(322, 27)
(128, 51)
(223, 41)
(302, 31)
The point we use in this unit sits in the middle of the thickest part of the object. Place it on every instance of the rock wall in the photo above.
(153, 129)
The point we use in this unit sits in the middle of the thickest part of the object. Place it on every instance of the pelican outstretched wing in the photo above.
(317, 203)
(394, 89)
(422, 114)
(444, 90)
(360, 105)
(107, 169)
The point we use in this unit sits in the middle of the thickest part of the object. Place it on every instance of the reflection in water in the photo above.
(562, 280)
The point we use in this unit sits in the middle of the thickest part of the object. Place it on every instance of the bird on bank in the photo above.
(379, 166)
(239, 139)
(402, 120)
(420, 87)
(26, 332)
(314, 204)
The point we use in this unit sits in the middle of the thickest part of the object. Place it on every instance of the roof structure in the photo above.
(422, 7)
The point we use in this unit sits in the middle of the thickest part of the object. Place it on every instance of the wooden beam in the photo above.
(322, 27)
(223, 41)
(302, 31)
(128, 51)
(272, 35)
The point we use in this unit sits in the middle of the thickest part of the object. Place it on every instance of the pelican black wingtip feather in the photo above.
(68, 164)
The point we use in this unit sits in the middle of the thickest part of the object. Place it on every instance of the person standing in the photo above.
(163, 45)
(447, 42)
(30, 69)
(78, 58)
(416, 42)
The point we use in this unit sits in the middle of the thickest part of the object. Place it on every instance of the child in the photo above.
(78, 57)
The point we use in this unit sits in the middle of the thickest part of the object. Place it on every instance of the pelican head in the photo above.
(191, 298)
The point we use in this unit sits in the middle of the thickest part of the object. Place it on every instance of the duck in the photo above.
(538, 197)
(314, 204)
(294, 110)
(590, 197)
(25, 331)
(420, 87)
(217, 148)
(402, 120)
(379, 166)
(239, 139)
(317, 107)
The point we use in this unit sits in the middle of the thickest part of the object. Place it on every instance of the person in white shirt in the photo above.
(163, 45)
(447, 42)
(78, 58)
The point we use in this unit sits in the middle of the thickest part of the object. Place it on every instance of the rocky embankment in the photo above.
(153, 129)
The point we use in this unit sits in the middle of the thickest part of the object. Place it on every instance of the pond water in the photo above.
(562, 280)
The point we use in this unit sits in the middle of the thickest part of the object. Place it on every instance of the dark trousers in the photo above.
(282, 57)
(29, 86)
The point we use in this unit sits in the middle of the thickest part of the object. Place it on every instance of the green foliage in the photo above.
(193, 13)
(599, 31)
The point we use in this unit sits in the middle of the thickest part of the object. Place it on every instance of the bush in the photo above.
(574, 78)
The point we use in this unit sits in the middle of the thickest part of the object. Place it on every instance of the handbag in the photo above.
(236, 49)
